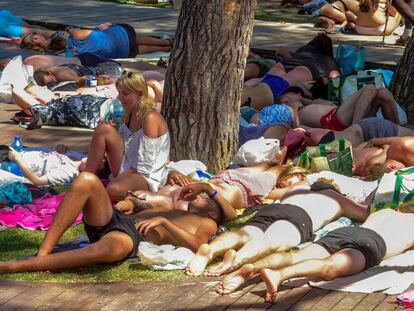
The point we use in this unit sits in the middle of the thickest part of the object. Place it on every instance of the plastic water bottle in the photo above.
(12, 167)
(117, 112)
(17, 144)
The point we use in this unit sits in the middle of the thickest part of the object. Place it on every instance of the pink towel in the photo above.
(35, 215)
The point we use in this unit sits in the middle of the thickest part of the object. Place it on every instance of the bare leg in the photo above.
(233, 281)
(87, 194)
(357, 106)
(298, 75)
(229, 240)
(148, 40)
(117, 189)
(280, 236)
(252, 70)
(277, 131)
(386, 102)
(329, 11)
(105, 140)
(343, 263)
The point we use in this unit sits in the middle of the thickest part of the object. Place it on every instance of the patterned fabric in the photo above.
(275, 114)
(77, 110)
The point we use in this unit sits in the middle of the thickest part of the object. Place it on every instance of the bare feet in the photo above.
(272, 278)
(236, 279)
(200, 261)
(224, 266)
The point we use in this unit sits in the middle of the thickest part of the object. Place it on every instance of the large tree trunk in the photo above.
(403, 81)
(204, 79)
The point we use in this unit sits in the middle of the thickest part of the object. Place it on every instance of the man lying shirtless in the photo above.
(238, 188)
(385, 154)
(275, 227)
(114, 236)
(344, 251)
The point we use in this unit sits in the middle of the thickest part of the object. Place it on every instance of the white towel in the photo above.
(392, 276)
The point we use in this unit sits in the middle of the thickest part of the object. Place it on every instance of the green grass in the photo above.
(16, 243)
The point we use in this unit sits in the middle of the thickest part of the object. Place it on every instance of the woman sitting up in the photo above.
(138, 152)
(107, 40)
(371, 18)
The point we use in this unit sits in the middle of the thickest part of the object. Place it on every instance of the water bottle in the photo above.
(12, 167)
(17, 144)
(117, 112)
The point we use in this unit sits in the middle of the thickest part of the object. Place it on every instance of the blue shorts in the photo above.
(277, 85)
(10, 24)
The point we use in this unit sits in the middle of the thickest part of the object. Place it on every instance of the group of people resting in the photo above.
(146, 202)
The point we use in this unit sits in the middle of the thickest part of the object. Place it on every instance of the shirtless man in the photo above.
(237, 188)
(344, 251)
(114, 236)
(276, 227)
(390, 153)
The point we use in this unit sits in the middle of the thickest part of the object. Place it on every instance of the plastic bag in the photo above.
(257, 151)
(164, 257)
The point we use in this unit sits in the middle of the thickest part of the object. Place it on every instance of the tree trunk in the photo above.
(403, 81)
(205, 78)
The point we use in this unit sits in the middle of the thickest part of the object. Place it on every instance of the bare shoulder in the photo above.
(153, 124)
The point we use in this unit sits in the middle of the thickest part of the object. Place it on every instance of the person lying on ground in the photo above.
(362, 131)
(238, 188)
(371, 18)
(275, 227)
(12, 26)
(295, 110)
(344, 251)
(138, 152)
(333, 14)
(277, 80)
(317, 55)
(46, 168)
(115, 237)
(107, 40)
(380, 155)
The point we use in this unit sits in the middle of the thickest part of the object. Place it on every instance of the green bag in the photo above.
(335, 156)
(393, 189)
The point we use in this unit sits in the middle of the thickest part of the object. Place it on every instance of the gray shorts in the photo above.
(377, 128)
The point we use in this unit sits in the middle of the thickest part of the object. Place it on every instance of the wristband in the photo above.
(213, 194)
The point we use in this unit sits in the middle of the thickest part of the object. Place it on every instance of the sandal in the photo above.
(34, 124)
(24, 115)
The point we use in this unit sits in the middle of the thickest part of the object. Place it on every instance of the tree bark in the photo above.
(204, 80)
(403, 81)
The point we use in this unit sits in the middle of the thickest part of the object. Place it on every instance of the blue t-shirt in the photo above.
(10, 24)
(112, 42)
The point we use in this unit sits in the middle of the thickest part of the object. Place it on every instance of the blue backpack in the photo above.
(350, 58)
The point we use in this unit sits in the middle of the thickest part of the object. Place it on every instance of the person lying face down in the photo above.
(232, 189)
(344, 251)
(114, 236)
(275, 227)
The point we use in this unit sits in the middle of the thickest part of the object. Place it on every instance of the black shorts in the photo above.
(365, 240)
(118, 222)
(132, 35)
(270, 213)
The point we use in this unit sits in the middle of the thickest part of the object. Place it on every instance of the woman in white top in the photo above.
(138, 152)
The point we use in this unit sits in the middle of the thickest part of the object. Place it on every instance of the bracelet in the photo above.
(213, 194)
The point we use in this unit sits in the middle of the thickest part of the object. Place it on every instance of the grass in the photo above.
(16, 243)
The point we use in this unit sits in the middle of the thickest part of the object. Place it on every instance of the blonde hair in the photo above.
(291, 171)
(134, 82)
(27, 42)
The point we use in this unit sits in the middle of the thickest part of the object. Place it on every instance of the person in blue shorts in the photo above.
(273, 84)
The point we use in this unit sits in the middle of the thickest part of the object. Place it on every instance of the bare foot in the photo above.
(200, 260)
(272, 278)
(224, 266)
(236, 279)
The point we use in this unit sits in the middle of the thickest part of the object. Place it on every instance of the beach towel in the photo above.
(37, 215)
(392, 276)
(15, 193)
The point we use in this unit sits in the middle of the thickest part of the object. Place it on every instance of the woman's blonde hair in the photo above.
(367, 6)
(291, 171)
(27, 42)
(134, 82)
